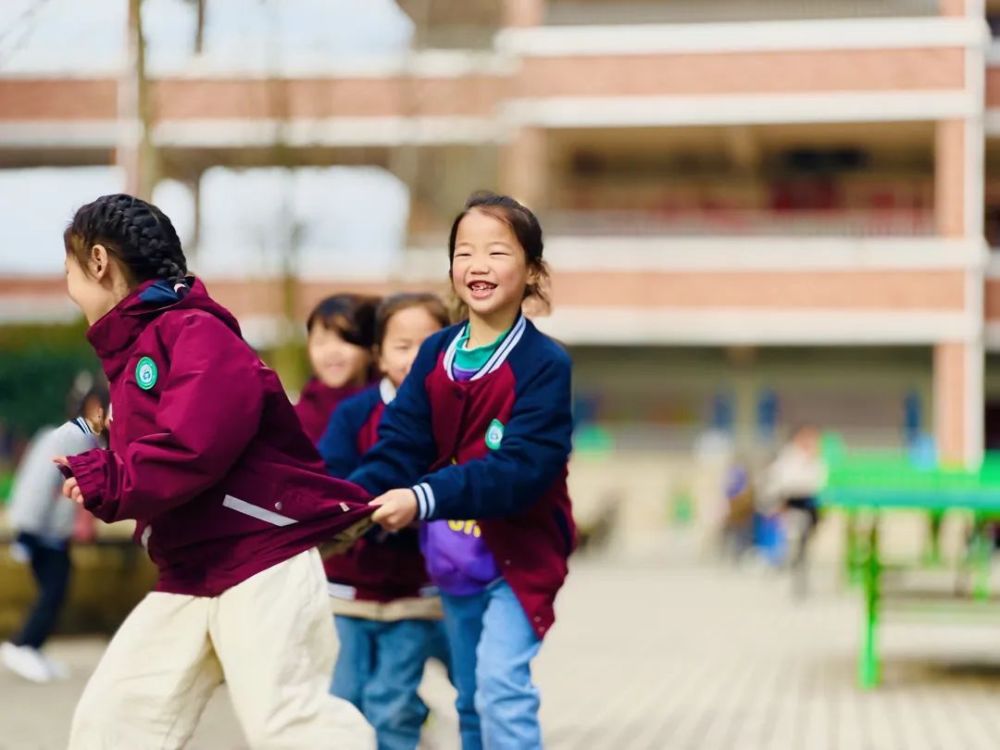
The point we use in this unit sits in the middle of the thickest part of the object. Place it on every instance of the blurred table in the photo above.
(864, 554)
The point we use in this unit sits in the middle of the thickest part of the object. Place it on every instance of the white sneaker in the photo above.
(57, 670)
(26, 662)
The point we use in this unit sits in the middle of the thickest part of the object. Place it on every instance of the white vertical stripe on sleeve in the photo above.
(431, 500)
(421, 501)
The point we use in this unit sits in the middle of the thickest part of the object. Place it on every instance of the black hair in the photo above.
(404, 301)
(525, 226)
(95, 393)
(136, 233)
(99, 394)
(350, 316)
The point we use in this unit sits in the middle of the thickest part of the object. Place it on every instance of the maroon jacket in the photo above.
(207, 454)
(381, 567)
(317, 403)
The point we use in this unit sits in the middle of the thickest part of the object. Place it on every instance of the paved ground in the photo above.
(670, 655)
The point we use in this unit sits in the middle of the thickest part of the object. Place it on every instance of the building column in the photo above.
(958, 402)
(524, 167)
(135, 152)
(408, 163)
(521, 14)
(950, 170)
(952, 7)
(958, 206)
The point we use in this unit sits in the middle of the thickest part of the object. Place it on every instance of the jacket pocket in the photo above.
(261, 513)
(252, 496)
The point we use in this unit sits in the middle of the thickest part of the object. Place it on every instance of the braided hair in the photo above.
(135, 232)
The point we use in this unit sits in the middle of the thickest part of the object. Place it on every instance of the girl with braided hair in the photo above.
(229, 497)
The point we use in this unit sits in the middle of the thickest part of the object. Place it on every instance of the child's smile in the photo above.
(481, 290)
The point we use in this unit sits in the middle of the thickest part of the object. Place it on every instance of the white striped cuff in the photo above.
(341, 591)
(425, 500)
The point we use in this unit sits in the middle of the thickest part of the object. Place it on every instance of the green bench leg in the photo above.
(868, 665)
(981, 552)
(932, 555)
(853, 557)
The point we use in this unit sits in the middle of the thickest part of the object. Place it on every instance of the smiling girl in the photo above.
(479, 437)
(341, 333)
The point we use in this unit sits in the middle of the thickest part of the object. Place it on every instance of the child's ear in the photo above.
(99, 262)
(533, 276)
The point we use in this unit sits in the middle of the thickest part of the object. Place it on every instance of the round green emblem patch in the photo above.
(146, 373)
(494, 434)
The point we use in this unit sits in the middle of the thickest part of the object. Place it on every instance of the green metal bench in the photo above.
(867, 487)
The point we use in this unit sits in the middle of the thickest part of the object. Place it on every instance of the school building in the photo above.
(757, 213)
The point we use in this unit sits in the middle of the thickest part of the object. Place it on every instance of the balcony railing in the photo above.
(839, 223)
(573, 12)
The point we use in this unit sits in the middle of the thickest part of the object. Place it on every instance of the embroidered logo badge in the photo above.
(146, 373)
(494, 434)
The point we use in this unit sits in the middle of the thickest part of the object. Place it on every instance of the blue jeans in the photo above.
(492, 645)
(439, 649)
(379, 668)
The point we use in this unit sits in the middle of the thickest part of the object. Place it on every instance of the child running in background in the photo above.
(476, 445)
(387, 614)
(341, 333)
(229, 498)
(43, 521)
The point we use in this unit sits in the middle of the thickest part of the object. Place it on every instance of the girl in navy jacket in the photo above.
(387, 613)
(476, 444)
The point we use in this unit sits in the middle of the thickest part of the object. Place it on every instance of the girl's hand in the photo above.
(71, 487)
(397, 509)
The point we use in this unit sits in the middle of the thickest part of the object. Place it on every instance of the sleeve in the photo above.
(36, 484)
(405, 447)
(210, 408)
(533, 452)
(67, 440)
(339, 445)
(49, 481)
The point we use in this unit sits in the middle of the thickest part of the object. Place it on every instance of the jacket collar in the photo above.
(84, 425)
(499, 356)
(386, 390)
(113, 335)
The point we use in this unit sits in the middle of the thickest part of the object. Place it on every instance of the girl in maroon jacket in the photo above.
(229, 498)
(341, 334)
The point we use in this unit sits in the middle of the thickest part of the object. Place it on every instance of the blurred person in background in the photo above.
(44, 521)
(341, 334)
(386, 612)
(792, 484)
(738, 523)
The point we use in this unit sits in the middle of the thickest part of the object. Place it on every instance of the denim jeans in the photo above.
(492, 645)
(379, 668)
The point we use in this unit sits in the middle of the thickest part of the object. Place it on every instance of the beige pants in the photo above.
(269, 638)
